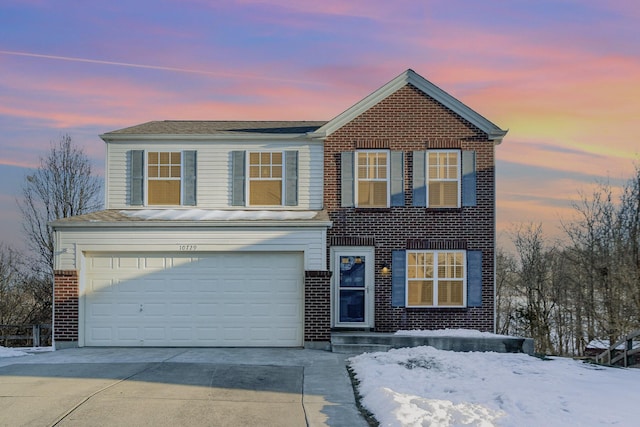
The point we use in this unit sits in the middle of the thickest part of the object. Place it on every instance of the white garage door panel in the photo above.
(239, 299)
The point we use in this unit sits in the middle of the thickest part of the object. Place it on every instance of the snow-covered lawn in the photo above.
(423, 386)
(10, 352)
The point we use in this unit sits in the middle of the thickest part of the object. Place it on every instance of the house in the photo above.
(223, 233)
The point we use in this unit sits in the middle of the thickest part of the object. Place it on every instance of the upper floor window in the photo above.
(436, 278)
(372, 179)
(443, 176)
(164, 172)
(265, 179)
(162, 178)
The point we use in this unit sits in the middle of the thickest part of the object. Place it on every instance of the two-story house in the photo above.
(231, 233)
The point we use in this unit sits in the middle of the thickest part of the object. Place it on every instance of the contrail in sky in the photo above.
(156, 67)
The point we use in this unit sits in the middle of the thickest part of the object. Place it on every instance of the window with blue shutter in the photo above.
(469, 178)
(419, 179)
(346, 179)
(291, 178)
(474, 278)
(372, 179)
(264, 178)
(237, 178)
(137, 177)
(397, 178)
(398, 278)
(444, 178)
(189, 184)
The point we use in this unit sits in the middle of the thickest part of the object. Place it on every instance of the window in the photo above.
(436, 278)
(265, 179)
(372, 179)
(443, 176)
(164, 172)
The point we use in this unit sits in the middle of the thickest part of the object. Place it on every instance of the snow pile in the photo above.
(217, 215)
(423, 386)
(460, 333)
(9, 352)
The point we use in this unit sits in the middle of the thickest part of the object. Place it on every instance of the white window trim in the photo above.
(356, 178)
(436, 279)
(147, 177)
(458, 179)
(248, 179)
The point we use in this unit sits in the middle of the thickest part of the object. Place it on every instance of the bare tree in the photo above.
(62, 186)
(11, 304)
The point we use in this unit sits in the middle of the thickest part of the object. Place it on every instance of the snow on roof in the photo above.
(462, 333)
(218, 215)
(599, 344)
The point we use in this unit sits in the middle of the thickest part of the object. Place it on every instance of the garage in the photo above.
(192, 299)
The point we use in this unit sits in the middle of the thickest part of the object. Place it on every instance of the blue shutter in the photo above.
(397, 178)
(419, 179)
(237, 178)
(346, 179)
(398, 278)
(474, 278)
(137, 177)
(469, 178)
(291, 178)
(189, 173)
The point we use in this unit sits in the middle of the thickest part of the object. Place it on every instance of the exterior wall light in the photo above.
(385, 270)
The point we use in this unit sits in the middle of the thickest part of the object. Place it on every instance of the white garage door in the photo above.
(220, 299)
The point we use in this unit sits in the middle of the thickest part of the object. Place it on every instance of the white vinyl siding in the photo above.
(214, 171)
(71, 244)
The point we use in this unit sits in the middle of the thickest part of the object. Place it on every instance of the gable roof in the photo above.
(411, 77)
(213, 129)
(218, 129)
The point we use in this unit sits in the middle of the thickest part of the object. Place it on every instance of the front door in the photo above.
(353, 276)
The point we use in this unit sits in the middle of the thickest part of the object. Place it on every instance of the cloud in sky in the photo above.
(562, 75)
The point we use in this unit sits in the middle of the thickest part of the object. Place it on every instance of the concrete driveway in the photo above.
(173, 387)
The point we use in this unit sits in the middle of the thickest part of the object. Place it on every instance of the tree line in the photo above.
(565, 294)
(63, 185)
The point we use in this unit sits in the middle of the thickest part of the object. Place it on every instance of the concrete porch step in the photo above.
(359, 348)
(354, 342)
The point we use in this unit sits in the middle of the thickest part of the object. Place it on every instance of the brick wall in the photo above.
(317, 306)
(65, 305)
(408, 121)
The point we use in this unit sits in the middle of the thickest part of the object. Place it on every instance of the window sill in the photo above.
(370, 210)
(439, 307)
(443, 209)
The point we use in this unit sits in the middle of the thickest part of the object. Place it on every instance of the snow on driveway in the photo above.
(423, 386)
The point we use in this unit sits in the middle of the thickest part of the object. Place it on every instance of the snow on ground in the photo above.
(423, 386)
(10, 352)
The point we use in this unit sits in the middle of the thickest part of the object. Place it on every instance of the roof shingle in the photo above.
(212, 127)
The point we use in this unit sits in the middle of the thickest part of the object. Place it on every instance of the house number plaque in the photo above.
(187, 248)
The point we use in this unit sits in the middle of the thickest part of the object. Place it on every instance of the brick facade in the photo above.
(317, 306)
(65, 305)
(408, 120)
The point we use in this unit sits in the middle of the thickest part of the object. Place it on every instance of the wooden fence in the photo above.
(25, 335)
(613, 355)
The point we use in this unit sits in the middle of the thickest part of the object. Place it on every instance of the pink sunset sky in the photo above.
(563, 76)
